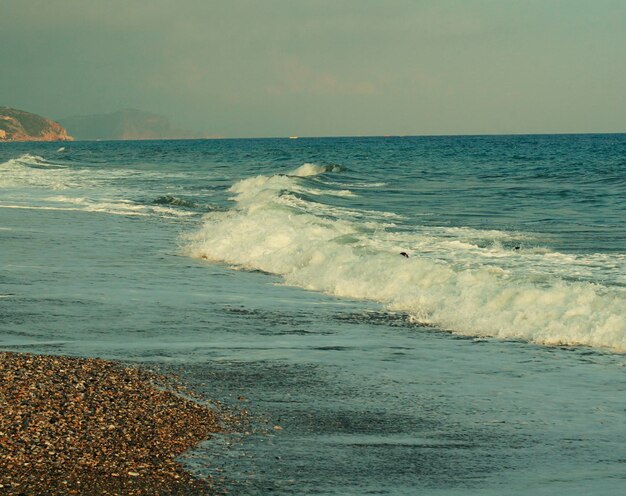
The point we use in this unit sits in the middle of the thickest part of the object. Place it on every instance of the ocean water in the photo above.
(489, 360)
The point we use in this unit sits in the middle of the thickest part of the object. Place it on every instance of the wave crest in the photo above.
(435, 286)
(309, 170)
(175, 201)
(33, 161)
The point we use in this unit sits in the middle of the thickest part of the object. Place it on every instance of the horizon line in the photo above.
(342, 136)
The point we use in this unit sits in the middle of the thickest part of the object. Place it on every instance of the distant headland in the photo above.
(19, 125)
(128, 124)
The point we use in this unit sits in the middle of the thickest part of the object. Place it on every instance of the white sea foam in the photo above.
(252, 189)
(28, 159)
(308, 170)
(39, 176)
(33, 170)
(119, 207)
(111, 207)
(461, 280)
(359, 185)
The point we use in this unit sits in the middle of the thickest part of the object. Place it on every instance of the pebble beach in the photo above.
(91, 426)
(268, 275)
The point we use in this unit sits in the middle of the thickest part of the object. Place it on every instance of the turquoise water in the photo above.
(489, 361)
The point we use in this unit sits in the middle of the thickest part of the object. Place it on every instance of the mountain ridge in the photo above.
(126, 124)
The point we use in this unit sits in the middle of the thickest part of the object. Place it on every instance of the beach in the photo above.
(313, 248)
(90, 426)
(268, 275)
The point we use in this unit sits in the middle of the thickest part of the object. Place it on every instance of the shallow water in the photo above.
(327, 332)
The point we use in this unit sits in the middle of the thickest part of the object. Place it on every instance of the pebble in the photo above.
(94, 427)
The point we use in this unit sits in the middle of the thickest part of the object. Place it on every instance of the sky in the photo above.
(261, 68)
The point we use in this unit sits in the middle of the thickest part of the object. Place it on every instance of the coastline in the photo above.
(91, 426)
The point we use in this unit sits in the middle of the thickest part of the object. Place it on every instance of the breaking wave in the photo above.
(308, 170)
(33, 170)
(34, 162)
(174, 200)
(462, 280)
(87, 189)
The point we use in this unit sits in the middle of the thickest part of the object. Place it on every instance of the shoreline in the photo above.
(91, 426)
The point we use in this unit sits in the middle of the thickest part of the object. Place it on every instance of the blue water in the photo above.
(490, 361)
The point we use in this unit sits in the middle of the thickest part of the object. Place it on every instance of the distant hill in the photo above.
(129, 124)
(19, 125)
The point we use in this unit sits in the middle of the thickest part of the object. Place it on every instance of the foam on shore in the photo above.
(463, 280)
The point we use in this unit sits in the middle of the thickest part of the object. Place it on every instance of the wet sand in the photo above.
(90, 426)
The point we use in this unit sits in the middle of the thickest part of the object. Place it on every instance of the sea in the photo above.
(394, 315)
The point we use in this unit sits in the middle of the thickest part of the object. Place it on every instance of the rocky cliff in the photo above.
(129, 124)
(18, 125)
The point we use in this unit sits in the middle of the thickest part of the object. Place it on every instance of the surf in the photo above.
(466, 281)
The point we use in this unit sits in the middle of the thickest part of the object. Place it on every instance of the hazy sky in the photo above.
(323, 67)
